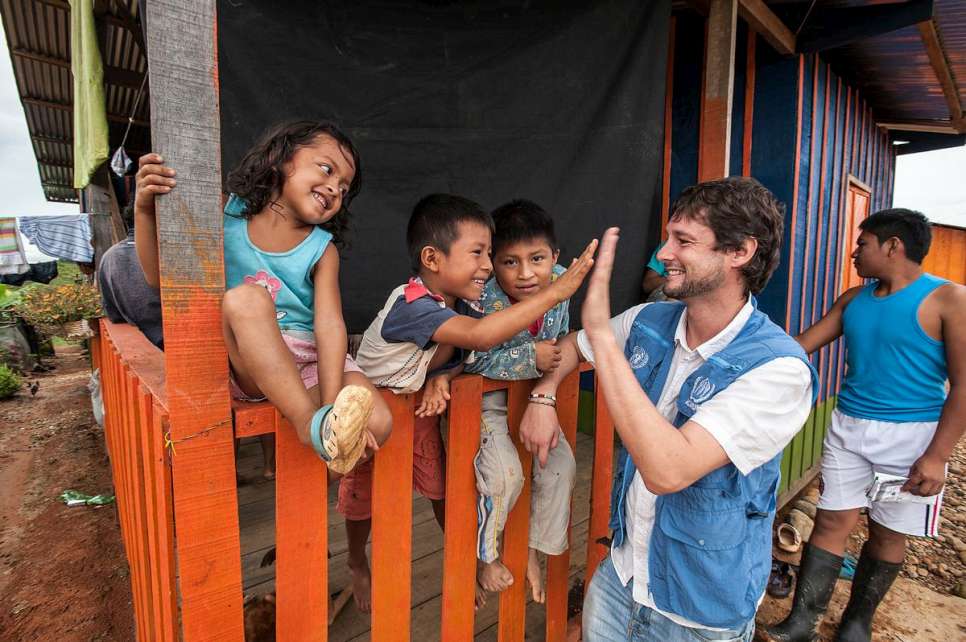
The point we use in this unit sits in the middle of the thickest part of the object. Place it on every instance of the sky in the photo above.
(931, 182)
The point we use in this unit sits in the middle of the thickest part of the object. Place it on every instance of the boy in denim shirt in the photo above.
(525, 251)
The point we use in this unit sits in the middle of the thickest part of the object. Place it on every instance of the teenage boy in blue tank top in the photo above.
(705, 392)
(905, 334)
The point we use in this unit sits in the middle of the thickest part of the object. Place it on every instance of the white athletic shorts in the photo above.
(855, 449)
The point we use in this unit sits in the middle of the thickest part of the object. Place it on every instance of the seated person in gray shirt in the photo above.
(125, 295)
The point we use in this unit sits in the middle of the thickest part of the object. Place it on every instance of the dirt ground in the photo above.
(63, 574)
(64, 577)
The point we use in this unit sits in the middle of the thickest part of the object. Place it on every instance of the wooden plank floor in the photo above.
(256, 501)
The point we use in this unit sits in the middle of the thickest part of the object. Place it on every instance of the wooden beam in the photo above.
(936, 127)
(760, 19)
(112, 75)
(764, 21)
(186, 131)
(68, 107)
(827, 27)
(40, 138)
(940, 65)
(714, 143)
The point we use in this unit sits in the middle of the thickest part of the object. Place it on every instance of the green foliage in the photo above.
(46, 306)
(10, 382)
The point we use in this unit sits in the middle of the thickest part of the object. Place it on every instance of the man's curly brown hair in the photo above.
(738, 208)
(259, 176)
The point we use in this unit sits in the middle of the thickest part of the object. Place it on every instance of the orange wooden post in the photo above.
(392, 525)
(301, 538)
(459, 538)
(601, 484)
(558, 566)
(516, 533)
(185, 130)
(714, 146)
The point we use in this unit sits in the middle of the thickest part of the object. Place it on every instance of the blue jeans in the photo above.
(611, 614)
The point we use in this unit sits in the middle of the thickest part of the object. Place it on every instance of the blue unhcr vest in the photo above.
(710, 549)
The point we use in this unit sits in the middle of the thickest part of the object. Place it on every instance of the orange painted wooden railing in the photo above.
(133, 382)
(132, 385)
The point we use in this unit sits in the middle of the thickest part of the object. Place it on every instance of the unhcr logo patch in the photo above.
(701, 392)
(639, 358)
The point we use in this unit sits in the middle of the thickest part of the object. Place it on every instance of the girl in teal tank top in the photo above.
(282, 310)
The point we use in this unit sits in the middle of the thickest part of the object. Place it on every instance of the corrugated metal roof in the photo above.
(38, 36)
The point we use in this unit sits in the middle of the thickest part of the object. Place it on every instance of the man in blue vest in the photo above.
(705, 392)
(905, 333)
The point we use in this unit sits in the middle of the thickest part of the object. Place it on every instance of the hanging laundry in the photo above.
(63, 237)
(37, 272)
(12, 258)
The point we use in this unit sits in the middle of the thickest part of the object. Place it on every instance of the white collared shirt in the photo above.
(753, 420)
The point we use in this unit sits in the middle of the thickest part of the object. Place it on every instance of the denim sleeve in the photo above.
(507, 362)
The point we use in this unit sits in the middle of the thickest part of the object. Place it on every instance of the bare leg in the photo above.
(439, 511)
(535, 577)
(268, 456)
(832, 528)
(260, 360)
(357, 533)
(885, 544)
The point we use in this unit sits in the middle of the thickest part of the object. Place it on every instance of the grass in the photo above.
(67, 272)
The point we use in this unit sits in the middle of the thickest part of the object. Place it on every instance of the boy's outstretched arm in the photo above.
(828, 328)
(482, 334)
(153, 179)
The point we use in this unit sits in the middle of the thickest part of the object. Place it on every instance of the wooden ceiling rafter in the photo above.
(761, 20)
(940, 64)
(69, 107)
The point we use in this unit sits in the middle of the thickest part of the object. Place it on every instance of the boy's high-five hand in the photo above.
(568, 282)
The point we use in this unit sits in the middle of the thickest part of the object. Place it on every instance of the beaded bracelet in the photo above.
(540, 395)
(542, 402)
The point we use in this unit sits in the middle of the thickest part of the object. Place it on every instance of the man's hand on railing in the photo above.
(539, 430)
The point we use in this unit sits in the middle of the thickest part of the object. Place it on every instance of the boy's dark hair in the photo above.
(259, 176)
(522, 220)
(738, 208)
(909, 226)
(435, 222)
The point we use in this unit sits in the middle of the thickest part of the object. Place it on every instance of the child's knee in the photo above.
(497, 478)
(247, 299)
(380, 422)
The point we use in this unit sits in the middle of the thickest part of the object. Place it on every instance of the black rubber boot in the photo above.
(871, 582)
(816, 581)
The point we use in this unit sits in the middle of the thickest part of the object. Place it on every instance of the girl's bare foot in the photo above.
(361, 585)
(494, 576)
(535, 577)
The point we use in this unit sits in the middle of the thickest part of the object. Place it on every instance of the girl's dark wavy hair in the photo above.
(259, 176)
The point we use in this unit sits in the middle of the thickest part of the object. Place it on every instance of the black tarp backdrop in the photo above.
(558, 102)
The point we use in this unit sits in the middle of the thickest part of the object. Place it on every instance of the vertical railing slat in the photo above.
(516, 533)
(558, 566)
(601, 484)
(392, 525)
(459, 548)
(140, 572)
(301, 537)
(168, 594)
(145, 411)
